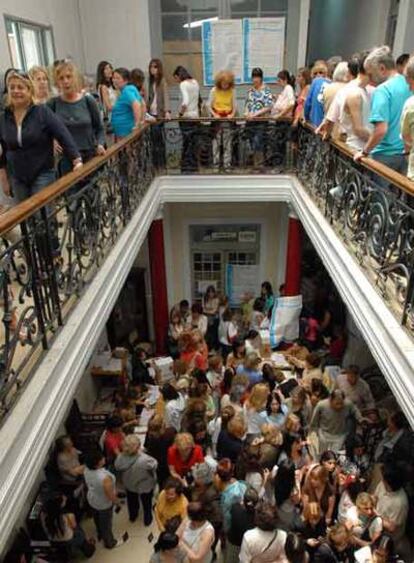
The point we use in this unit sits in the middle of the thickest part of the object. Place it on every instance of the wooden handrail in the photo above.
(397, 179)
(27, 208)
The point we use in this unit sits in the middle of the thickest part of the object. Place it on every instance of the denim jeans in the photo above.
(23, 190)
(397, 162)
(190, 134)
(103, 523)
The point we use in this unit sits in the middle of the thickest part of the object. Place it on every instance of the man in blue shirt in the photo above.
(385, 143)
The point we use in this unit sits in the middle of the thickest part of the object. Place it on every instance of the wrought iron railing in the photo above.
(223, 146)
(371, 208)
(53, 244)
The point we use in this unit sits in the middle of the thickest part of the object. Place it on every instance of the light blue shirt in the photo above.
(387, 104)
(122, 117)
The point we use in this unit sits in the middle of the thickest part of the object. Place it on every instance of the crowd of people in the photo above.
(274, 465)
(366, 101)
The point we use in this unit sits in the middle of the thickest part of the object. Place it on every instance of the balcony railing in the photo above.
(371, 209)
(54, 243)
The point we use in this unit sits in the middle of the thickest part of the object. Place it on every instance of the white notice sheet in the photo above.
(263, 46)
(222, 49)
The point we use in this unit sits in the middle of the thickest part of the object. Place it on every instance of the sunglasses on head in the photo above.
(19, 73)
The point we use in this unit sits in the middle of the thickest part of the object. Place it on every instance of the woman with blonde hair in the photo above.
(314, 110)
(230, 440)
(255, 409)
(368, 526)
(317, 488)
(183, 455)
(40, 78)
(222, 105)
(271, 446)
(157, 442)
(338, 546)
(251, 368)
(28, 150)
(138, 472)
(79, 112)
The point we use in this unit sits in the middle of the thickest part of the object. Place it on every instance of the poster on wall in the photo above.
(263, 46)
(222, 49)
(241, 280)
(284, 325)
(241, 45)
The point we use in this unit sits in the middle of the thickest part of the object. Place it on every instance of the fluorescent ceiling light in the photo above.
(199, 23)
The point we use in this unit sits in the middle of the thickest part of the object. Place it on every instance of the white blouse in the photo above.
(284, 100)
(190, 91)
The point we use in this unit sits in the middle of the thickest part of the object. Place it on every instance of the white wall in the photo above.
(116, 31)
(61, 14)
(178, 216)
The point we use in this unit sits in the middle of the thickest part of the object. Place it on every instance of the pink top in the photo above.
(300, 104)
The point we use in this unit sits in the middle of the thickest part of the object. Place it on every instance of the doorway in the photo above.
(129, 314)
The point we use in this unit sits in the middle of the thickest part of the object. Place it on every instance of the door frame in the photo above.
(187, 250)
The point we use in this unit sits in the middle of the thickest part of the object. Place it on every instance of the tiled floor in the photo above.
(137, 550)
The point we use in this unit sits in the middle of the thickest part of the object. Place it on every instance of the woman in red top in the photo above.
(194, 351)
(183, 455)
(114, 438)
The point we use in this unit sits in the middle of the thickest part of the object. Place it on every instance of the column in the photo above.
(158, 284)
(294, 256)
(297, 33)
(403, 38)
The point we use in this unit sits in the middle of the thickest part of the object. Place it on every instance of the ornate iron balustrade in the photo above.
(213, 146)
(53, 244)
(371, 209)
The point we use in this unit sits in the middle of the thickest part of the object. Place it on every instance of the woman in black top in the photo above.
(338, 547)
(230, 442)
(79, 112)
(157, 441)
(241, 520)
(27, 132)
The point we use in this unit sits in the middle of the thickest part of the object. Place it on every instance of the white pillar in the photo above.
(403, 27)
(303, 32)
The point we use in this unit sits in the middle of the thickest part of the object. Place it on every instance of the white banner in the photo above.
(241, 280)
(263, 46)
(222, 45)
(284, 325)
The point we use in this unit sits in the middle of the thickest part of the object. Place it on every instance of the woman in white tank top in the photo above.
(196, 535)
